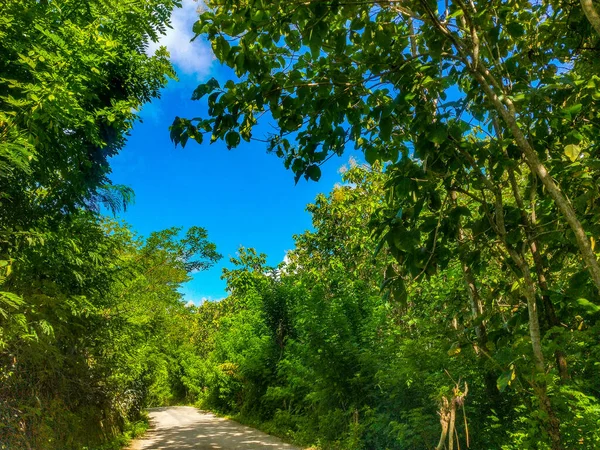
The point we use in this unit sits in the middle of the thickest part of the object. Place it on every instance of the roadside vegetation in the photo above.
(447, 295)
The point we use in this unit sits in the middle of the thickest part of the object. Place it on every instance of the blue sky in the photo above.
(243, 197)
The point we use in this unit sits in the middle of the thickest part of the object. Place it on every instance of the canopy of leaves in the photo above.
(449, 287)
(72, 76)
(90, 315)
(328, 349)
(486, 116)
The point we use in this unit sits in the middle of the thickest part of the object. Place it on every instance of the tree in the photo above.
(491, 103)
(72, 79)
(102, 323)
(90, 316)
(384, 84)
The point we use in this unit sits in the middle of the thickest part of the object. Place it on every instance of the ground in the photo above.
(186, 428)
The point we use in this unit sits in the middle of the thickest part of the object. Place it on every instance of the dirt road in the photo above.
(186, 428)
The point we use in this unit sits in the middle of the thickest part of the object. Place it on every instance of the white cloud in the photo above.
(195, 302)
(189, 58)
(286, 258)
(282, 268)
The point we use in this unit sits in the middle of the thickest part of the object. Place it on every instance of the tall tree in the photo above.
(380, 73)
(84, 328)
(72, 78)
(460, 97)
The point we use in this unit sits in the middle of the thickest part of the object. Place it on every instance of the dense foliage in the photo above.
(324, 349)
(486, 116)
(447, 295)
(90, 316)
(94, 334)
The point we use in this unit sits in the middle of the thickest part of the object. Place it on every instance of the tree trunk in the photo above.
(447, 414)
(534, 247)
(552, 424)
(591, 14)
(562, 202)
(451, 426)
(534, 322)
(444, 422)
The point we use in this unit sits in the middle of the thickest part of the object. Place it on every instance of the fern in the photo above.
(9, 301)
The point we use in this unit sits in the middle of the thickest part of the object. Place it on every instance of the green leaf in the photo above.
(198, 27)
(590, 307)
(572, 152)
(459, 12)
(454, 350)
(232, 139)
(316, 40)
(515, 29)
(205, 88)
(371, 155)
(385, 128)
(313, 172)
(380, 244)
(398, 291)
(573, 109)
(292, 40)
(11, 300)
(221, 48)
(198, 137)
(438, 134)
(505, 379)
(184, 138)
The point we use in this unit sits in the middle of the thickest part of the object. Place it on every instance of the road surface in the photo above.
(186, 428)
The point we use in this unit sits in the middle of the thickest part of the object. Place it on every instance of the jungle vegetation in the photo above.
(447, 295)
